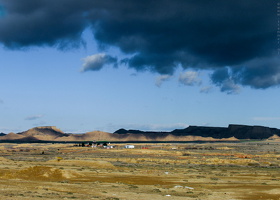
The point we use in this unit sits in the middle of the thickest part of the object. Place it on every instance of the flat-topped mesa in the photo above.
(52, 127)
(130, 131)
(203, 131)
(251, 132)
(233, 130)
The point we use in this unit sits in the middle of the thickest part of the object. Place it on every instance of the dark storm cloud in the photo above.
(259, 73)
(40, 22)
(2, 11)
(224, 79)
(158, 35)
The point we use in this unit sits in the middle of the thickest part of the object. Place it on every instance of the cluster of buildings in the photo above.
(104, 144)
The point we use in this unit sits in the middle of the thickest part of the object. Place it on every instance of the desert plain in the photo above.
(247, 170)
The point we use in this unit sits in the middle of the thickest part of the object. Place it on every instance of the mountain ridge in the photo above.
(233, 130)
(192, 133)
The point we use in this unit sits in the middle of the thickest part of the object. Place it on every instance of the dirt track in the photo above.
(152, 171)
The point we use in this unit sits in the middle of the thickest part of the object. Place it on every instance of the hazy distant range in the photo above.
(191, 133)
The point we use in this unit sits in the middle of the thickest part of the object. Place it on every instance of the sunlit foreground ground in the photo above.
(153, 171)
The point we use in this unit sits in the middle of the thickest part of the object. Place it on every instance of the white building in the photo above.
(129, 146)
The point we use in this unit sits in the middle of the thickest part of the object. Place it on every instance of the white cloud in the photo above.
(189, 78)
(34, 117)
(97, 61)
(206, 89)
(161, 79)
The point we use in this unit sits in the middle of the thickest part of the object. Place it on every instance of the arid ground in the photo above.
(247, 170)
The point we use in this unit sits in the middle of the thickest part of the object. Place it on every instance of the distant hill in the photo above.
(2, 134)
(191, 133)
(124, 131)
(236, 131)
(44, 133)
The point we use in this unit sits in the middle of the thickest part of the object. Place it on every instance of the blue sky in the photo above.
(44, 84)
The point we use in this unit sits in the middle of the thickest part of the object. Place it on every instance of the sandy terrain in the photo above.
(211, 171)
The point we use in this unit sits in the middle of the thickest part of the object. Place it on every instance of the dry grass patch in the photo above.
(41, 173)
